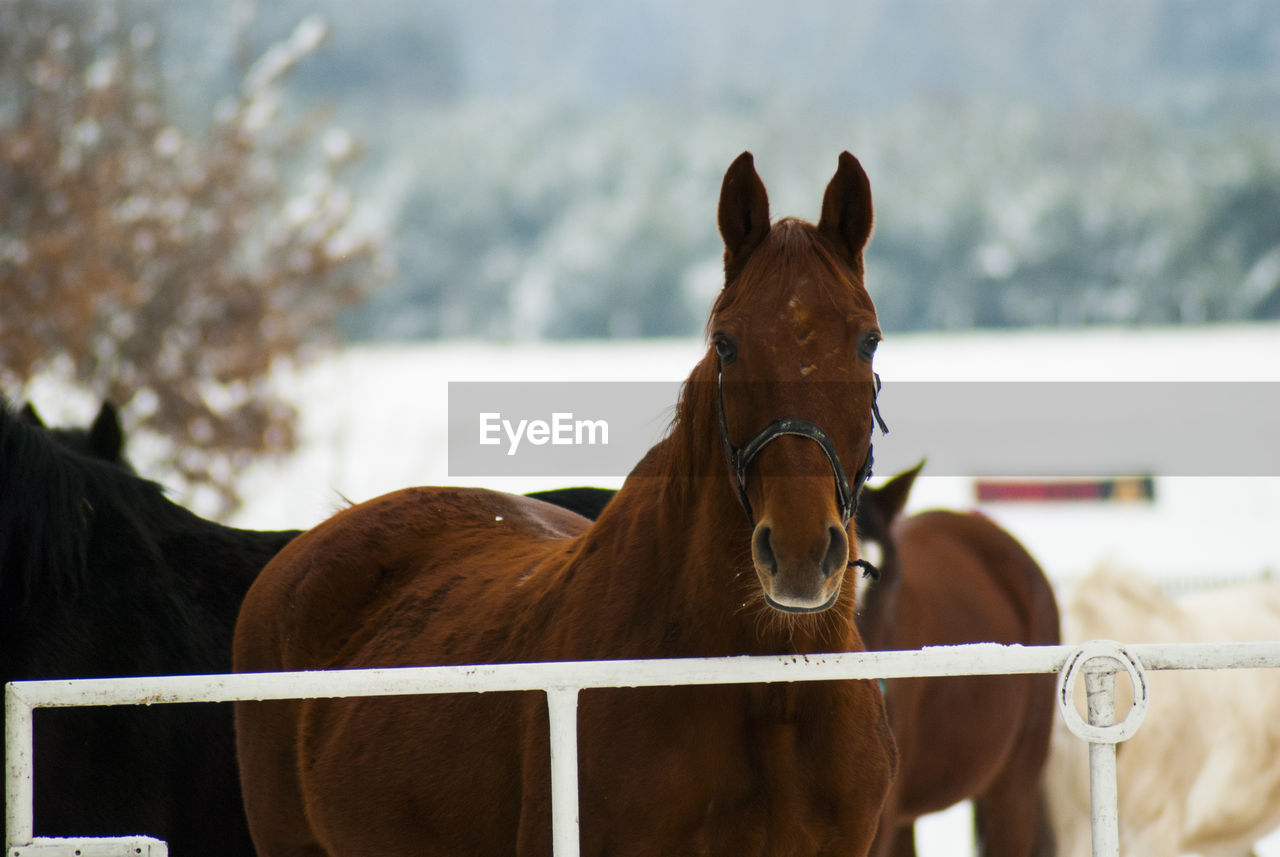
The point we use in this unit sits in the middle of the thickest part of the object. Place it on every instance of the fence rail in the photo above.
(563, 680)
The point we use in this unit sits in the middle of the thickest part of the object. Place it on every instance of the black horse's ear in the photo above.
(106, 438)
(846, 210)
(30, 416)
(744, 214)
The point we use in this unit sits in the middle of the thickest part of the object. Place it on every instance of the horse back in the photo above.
(975, 581)
(385, 576)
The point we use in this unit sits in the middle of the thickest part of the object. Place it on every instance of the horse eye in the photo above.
(726, 350)
(867, 345)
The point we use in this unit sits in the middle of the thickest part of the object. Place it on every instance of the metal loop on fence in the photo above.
(1116, 653)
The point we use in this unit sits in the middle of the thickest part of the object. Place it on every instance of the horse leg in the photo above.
(893, 838)
(269, 779)
(904, 841)
(1008, 821)
(1010, 816)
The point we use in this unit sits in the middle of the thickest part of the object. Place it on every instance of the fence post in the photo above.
(1099, 661)
(19, 800)
(1100, 685)
(562, 711)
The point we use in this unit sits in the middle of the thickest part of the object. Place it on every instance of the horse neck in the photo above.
(44, 530)
(679, 543)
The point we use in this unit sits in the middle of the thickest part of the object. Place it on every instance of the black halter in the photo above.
(739, 459)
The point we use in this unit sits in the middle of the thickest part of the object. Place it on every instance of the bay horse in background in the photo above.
(948, 578)
(730, 537)
(100, 576)
(1201, 775)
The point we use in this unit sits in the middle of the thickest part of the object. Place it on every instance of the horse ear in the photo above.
(30, 416)
(106, 438)
(846, 210)
(744, 214)
(891, 497)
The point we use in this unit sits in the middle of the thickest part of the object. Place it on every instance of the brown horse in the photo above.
(949, 578)
(691, 558)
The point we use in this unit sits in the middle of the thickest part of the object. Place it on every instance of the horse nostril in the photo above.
(763, 549)
(837, 551)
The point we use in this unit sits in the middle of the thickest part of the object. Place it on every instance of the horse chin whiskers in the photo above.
(826, 628)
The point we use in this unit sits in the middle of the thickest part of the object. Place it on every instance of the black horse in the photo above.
(101, 575)
(587, 502)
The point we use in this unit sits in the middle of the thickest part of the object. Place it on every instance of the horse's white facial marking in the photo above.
(800, 319)
(805, 370)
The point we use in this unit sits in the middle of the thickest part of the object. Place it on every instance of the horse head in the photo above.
(793, 334)
(103, 439)
(878, 508)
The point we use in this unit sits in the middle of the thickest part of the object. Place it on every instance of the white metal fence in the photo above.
(1098, 661)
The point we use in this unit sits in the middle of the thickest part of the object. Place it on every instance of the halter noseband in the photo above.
(740, 459)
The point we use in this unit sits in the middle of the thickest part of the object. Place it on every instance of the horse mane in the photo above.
(694, 413)
(51, 498)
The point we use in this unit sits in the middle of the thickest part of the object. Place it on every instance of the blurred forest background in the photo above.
(193, 194)
(551, 167)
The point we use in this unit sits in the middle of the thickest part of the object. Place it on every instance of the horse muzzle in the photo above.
(802, 576)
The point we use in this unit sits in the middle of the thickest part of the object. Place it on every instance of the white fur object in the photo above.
(1202, 775)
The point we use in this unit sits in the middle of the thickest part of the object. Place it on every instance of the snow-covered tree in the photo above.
(166, 268)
